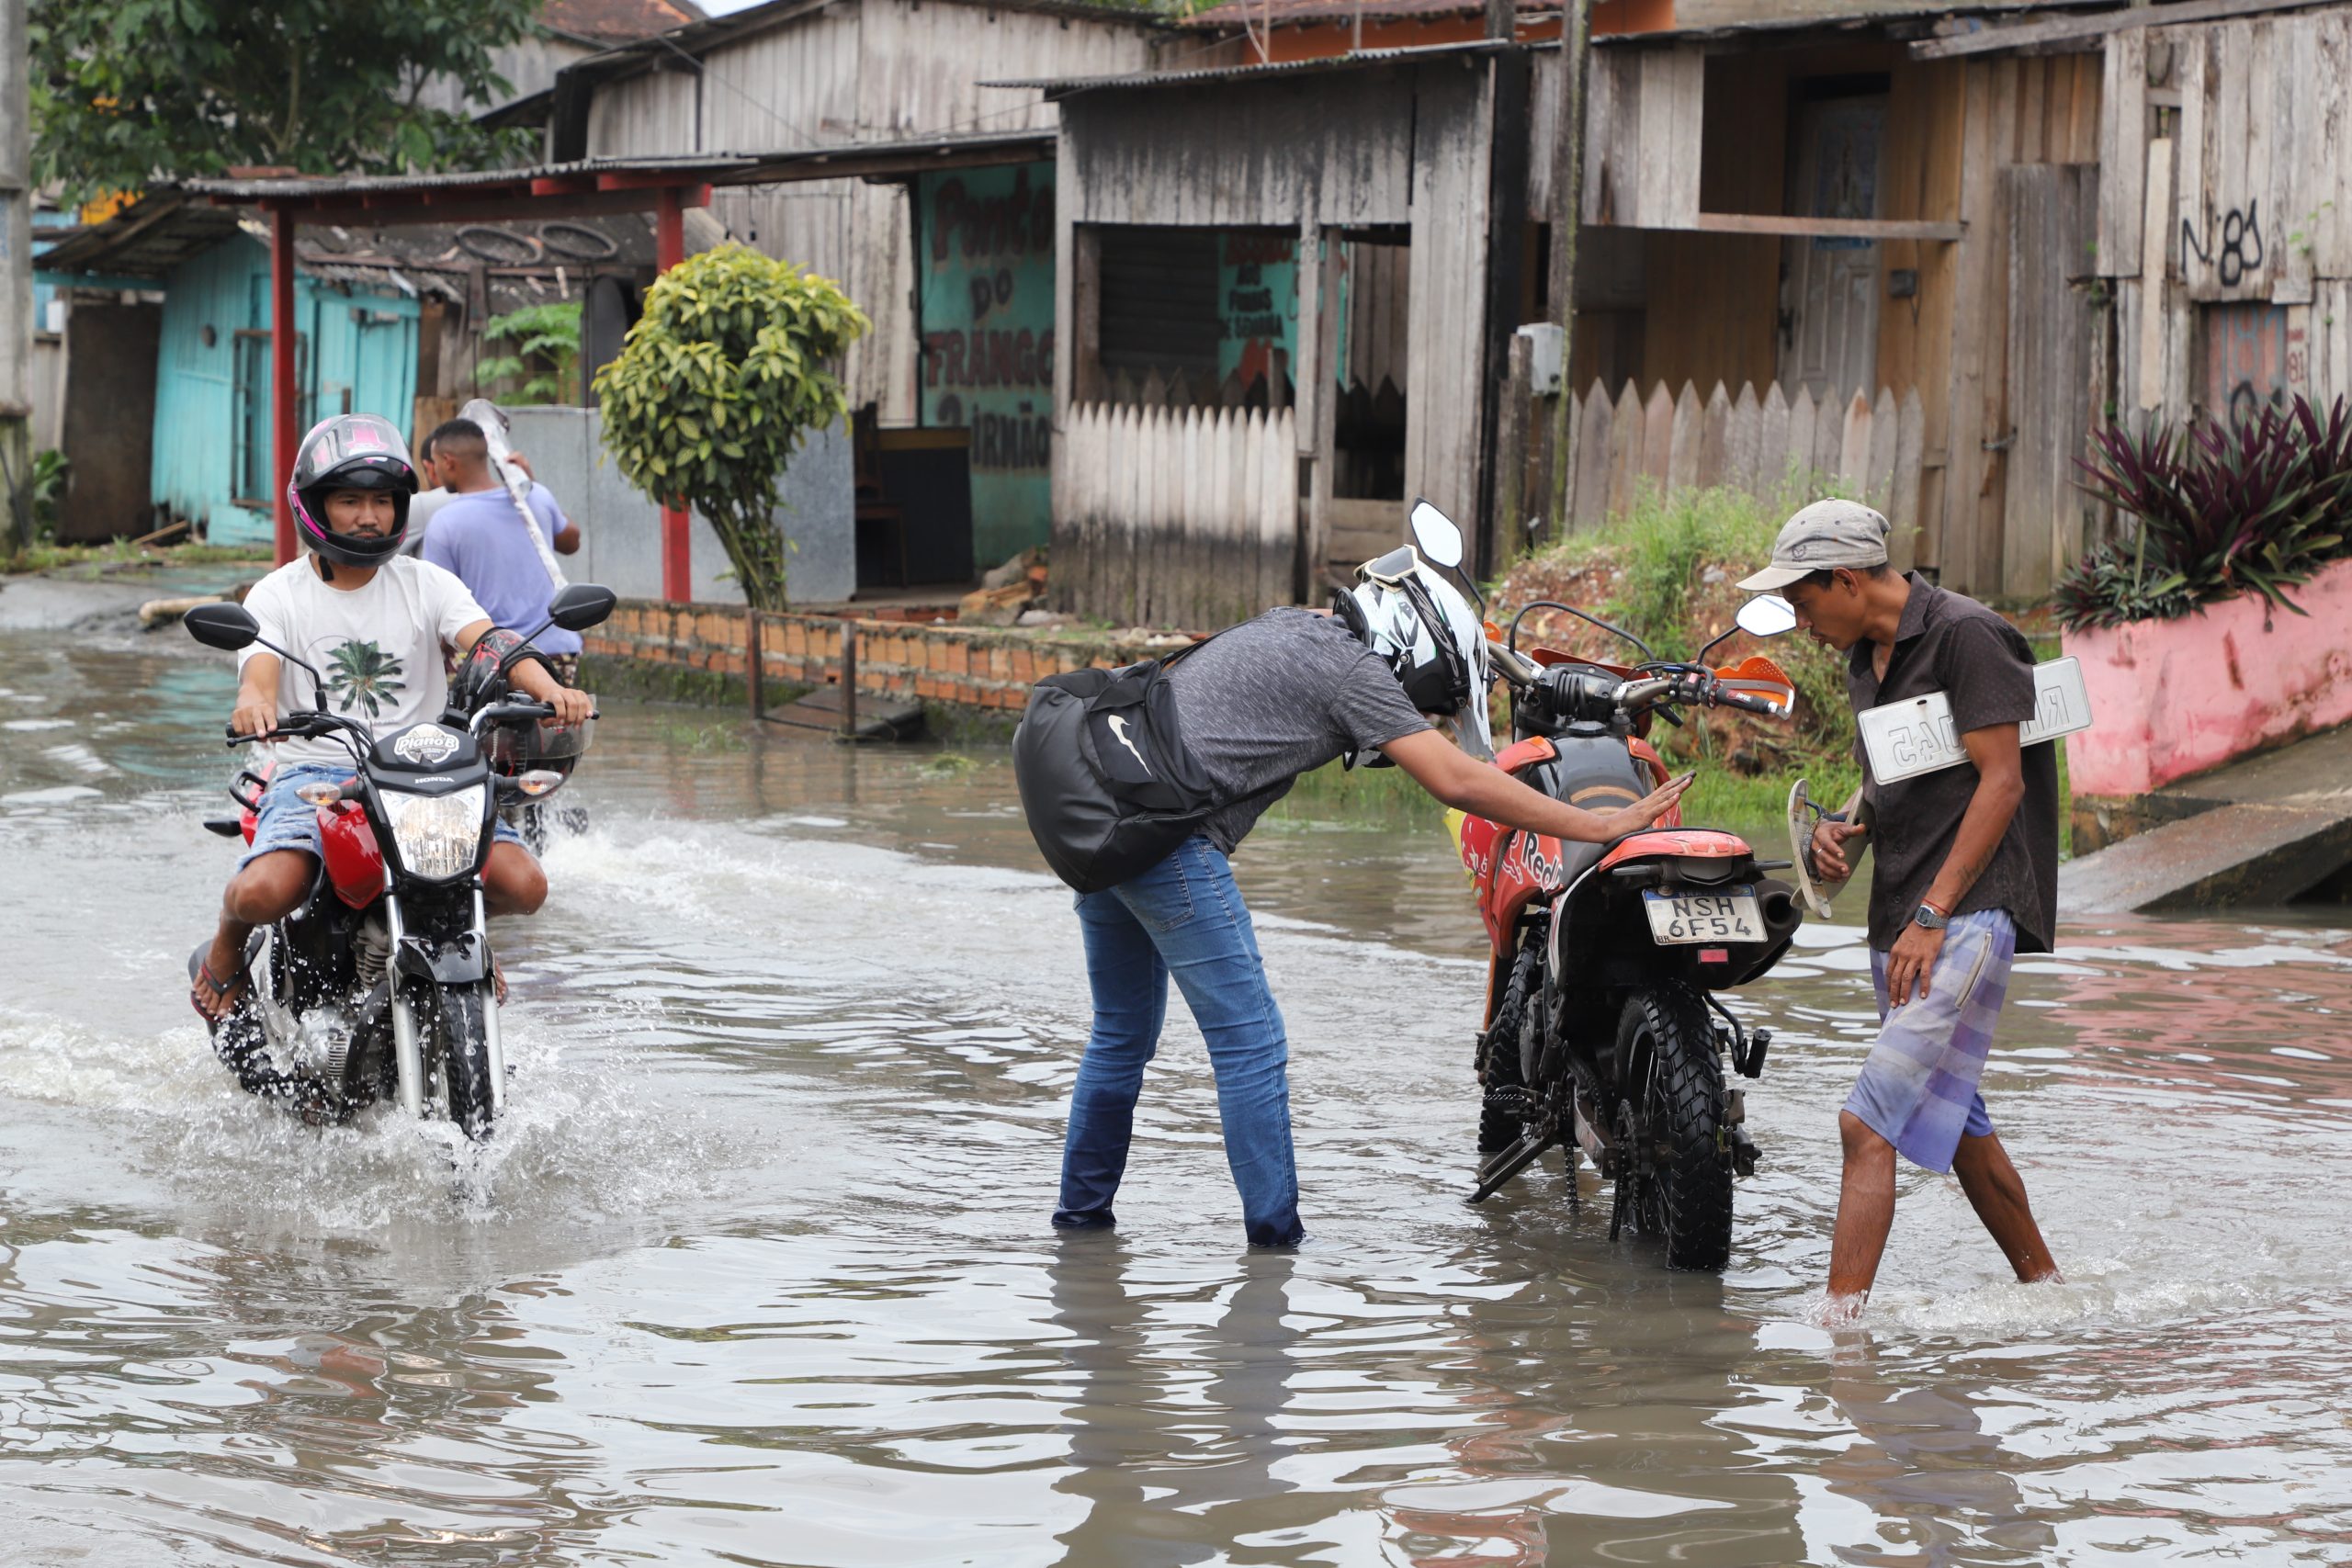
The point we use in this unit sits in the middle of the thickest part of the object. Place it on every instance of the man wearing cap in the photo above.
(1965, 876)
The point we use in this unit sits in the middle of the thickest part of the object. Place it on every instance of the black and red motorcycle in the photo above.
(1605, 1029)
(381, 986)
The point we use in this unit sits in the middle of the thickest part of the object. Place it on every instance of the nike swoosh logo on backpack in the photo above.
(1119, 733)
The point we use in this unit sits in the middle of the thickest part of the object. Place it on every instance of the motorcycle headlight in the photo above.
(437, 835)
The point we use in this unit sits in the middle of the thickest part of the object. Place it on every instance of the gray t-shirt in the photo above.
(1276, 697)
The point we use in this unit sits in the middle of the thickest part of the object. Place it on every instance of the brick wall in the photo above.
(975, 667)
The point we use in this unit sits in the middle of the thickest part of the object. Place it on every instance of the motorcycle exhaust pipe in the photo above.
(1777, 902)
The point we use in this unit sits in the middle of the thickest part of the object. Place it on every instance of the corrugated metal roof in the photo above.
(1234, 14)
(695, 38)
(617, 19)
(700, 168)
(1057, 87)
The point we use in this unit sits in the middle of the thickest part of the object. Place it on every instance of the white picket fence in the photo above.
(1766, 447)
(1171, 517)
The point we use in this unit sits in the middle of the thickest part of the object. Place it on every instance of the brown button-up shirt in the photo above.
(1984, 666)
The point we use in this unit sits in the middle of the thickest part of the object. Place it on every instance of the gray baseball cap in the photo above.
(1825, 535)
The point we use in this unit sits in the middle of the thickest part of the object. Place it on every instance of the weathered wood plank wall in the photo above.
(1394, 148)
(1174, 518)
(1777, 449)
(2223, 222)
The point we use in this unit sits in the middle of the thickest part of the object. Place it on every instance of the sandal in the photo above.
(206, 981)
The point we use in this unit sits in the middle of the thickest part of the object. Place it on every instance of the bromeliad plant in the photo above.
(714, 389)
(2219, 510)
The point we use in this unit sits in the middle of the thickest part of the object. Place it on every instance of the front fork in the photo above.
(408, 1050)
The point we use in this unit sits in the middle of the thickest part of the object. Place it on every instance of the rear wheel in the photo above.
(461, 1049)
(1499, 1073)
(1667, 1044)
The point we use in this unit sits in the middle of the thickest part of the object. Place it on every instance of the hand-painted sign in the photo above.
(1256, 292)
(985, 286)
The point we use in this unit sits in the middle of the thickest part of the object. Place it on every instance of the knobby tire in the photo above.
(1667, 1036)
(1499, 1052)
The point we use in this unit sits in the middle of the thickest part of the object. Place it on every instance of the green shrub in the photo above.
(2218, 510)
(727, 369)
(543, 355)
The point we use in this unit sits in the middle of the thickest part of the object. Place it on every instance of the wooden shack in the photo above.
(929, 200)
(1852, 251)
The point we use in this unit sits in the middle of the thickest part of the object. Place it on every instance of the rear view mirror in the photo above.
(230, 627)
(1439, 540)
(1766, 615)
(581, 605)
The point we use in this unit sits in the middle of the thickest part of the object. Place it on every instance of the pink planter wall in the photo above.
(2171, 698)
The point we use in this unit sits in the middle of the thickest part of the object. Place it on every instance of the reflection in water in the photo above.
(1942, 1484)
(760, 1271)
(1171, 1420)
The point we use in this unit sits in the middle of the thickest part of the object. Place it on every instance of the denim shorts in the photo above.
(287, 822)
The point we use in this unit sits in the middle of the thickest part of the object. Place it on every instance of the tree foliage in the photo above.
(714, 389)
(127, 91)
(542, 353)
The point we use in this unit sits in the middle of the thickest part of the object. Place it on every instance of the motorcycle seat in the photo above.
(1596, 773)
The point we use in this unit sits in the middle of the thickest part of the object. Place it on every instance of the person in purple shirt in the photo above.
(479, 535)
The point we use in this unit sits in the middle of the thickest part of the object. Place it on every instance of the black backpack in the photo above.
(1105, 781)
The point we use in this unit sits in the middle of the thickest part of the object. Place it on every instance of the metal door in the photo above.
(1829, 286)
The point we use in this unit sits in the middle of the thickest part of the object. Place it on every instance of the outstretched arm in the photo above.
(531, 678)
(1482, 789)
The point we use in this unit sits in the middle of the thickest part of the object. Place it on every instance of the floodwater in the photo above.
(758, 1270)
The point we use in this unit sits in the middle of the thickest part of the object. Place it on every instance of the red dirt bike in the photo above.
(1604, 1031)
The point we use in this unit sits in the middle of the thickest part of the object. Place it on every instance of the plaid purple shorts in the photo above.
(1919, 1089)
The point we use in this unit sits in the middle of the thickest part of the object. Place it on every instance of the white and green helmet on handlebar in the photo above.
(1433, 640)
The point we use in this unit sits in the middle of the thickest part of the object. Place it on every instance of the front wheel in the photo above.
(1501, 1076)
(460, 1052)
(1667, 1043)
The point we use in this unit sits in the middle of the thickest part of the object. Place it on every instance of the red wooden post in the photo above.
(282, 389)
(669, 249)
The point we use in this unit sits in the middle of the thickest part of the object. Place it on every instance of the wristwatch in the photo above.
(1926, 917)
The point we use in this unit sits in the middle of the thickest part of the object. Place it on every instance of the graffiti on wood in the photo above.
(2232, 249)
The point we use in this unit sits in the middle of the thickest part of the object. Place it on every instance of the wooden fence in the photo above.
(1171, 517)
(1770, 447)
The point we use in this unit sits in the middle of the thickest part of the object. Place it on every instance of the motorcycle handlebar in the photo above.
(1510, 666)
(518, 707)
(299, 725)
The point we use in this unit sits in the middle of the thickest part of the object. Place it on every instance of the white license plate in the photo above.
(1906, 739)
(1703, 916)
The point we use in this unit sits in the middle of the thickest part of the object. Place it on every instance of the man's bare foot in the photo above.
(1842, 1312)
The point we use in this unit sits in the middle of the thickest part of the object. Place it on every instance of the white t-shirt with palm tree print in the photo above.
(379, 647)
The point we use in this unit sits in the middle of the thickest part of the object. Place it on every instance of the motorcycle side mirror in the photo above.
(228, 627)
(1766, 615)
(1439, 538)
(581, 605)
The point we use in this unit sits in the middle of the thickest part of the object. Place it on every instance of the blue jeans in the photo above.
(1182, 917)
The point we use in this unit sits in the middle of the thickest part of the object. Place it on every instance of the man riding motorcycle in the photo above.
(374, 623)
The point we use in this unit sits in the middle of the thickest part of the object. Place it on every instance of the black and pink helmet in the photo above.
(352, 451)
